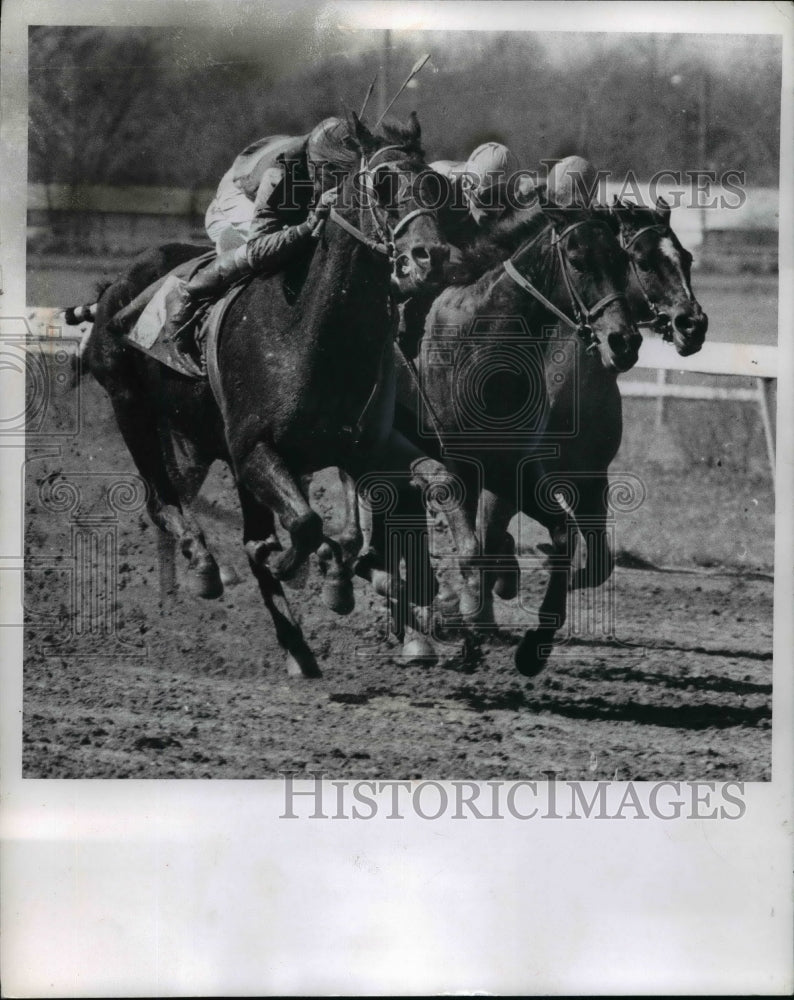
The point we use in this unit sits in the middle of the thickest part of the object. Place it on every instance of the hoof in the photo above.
(470, 609)
(338, 595)
(383, 584)
(506, 587)
(204, 580)
(294, 579)
(419, 650)
(531, 654)
(423, 619)
(229, 576)
(302, 664)
(447, 603)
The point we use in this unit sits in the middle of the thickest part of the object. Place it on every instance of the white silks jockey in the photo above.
(265, 213)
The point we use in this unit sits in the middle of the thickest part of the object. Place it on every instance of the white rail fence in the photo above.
(756, 361)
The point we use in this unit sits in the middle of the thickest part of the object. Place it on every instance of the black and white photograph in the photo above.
(397, 428)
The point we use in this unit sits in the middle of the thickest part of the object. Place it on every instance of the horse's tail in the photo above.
(76, 316)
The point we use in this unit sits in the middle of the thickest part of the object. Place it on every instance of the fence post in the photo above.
(764, 386)
(661, 381)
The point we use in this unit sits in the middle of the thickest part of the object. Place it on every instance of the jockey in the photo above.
(482, 190)
(265, 213)
(572, 183)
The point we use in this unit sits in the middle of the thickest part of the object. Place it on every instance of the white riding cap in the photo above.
(487, 172)
(573, 182)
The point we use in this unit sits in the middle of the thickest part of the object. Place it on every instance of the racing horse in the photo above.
(481, 385)
(303, 379)
(661, 300)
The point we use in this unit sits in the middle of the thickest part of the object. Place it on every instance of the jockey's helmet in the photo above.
(487, 173)
(573, 182)
(327, 149)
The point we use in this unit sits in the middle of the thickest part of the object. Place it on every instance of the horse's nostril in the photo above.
(421, 256)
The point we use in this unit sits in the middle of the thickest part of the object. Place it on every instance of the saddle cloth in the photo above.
(147, 336)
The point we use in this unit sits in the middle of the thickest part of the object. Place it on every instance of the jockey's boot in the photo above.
(207, 284)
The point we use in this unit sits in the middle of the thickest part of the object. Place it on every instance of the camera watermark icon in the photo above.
(497, 377)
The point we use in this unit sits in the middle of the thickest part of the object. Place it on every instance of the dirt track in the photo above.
(200, 691)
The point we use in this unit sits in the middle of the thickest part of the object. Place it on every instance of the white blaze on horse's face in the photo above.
(663, 289)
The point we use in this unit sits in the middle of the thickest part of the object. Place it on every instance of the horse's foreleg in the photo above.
(497, 543)
(259, 536)
(446, 493)
(534, 648)
(266, 476)
(591, 518)
(336, 554)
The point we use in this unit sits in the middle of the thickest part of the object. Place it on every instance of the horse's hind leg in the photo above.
(190, 468)
(259, 536)
(145, 440)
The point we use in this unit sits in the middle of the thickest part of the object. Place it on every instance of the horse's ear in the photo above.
(663, 208)
(611, 215)
(360, 134)
(414, 129)
(557, 214)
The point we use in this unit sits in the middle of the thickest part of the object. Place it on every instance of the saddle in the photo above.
(147, 334)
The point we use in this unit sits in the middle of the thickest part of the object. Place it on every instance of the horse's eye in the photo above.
(387, 188)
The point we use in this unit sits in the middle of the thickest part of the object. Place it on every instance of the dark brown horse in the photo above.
(585, 418)
(305, 379)
(488, 343)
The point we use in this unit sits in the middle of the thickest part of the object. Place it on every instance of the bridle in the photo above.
(386, 232)
(583, 315)
(659, 322)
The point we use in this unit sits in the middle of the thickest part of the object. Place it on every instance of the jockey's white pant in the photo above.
(229, 216)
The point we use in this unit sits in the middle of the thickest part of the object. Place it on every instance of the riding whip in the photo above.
(410, 365)
(366, 99)
(416, 67)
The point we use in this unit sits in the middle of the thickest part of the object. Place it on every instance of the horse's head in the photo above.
(660, 293)
(402, 194)
(592, 282)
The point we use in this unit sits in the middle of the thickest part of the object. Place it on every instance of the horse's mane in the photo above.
(394, 133)
(640, 216)
(494, 247)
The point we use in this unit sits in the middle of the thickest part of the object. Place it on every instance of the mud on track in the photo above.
(198, 690)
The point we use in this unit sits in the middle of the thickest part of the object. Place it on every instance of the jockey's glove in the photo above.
(323, 207)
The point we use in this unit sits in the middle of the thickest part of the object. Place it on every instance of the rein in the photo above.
(659, 321)
(387, 233)
(583, 315)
